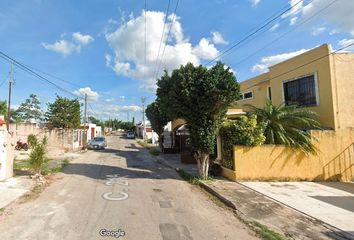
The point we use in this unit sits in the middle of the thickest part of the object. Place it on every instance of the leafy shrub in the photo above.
(32, 140)
(149, 140)
(38, 157)
(243, 131)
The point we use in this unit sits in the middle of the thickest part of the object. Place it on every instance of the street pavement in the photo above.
(120, 191)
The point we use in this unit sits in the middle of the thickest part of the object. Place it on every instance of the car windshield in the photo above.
(98, 139)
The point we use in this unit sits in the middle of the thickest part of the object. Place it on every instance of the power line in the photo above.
(248, 35)
(30, 71)
(287, 32)
(163, 32)
(305, 64)
(168, 36)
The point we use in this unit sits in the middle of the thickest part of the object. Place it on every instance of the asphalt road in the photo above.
(120, 190)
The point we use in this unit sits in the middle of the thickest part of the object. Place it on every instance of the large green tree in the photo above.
(157, 119)
(30, 109)
(287, 125)
(63, 113)
(201, 97)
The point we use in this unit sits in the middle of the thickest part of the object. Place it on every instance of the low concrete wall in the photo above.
(334, 161)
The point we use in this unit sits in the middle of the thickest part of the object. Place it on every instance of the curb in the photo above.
(223, 199)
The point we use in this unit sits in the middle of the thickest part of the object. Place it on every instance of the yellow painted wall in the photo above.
(342, 66)
(334, 108)
(335, 160)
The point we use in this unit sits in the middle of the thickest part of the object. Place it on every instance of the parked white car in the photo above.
(97, 143)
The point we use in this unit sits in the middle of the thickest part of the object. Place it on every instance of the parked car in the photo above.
(131, 135)
(97, 143)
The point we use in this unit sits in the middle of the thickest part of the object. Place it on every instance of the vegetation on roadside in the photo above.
(158, 119)
(32, 140)
(38, 157)
(200, 96)
(264, 232)
(287, 125)
(63, 113)
(243, 131)
(190, 178)
(152, 149)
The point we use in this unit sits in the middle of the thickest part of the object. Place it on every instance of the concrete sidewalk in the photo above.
(253, 206)
(330, 202)
(13, 188)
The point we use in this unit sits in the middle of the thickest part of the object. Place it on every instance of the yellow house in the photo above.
(318, 80)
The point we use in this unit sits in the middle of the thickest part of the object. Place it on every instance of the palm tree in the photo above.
(287, 125)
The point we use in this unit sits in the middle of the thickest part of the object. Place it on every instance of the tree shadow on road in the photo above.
(140, 164)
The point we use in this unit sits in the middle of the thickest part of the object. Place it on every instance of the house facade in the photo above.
(316, 80)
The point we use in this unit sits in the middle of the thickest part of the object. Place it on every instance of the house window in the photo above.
(248, 95)
(269, 92)
(301, 91)
(241, 96)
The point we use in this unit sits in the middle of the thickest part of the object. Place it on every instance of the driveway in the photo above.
(330, 202)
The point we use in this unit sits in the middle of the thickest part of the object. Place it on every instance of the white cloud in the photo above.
(318, 30)
(339, 13)
(268, 61)
(255, 2)
(345, 42)
(66, 47)
(127, 43)
(91, 95)
(296, 7)
(62, 46)
(82, 39)
(205, 49)
(293, 21)
(275, 26)
(217, 38)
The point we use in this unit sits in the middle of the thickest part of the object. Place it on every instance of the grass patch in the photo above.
(2, 210)
(190, 178)
(57, 168)
(264, 232)
(154, 151)
(144, 144)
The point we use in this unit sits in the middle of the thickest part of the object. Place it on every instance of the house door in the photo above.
(92, 133)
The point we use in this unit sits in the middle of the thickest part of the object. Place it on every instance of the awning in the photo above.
(182, 130)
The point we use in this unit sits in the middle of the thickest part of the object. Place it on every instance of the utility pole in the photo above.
(85, 119)
(11, 80)
(143, 102)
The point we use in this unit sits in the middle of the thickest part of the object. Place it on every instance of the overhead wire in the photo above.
(300, 66)
(162, 35)
(168, 36)
(251, 33)
(284, 34)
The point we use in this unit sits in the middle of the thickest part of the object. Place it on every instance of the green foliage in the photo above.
(63, 113)
(38, 157)
(32, 140)
(127, 126)
(30, 109)
(243, 131)
(3, 108)
(201, 97)
(113, 123)
(287, 125)
(154, 151)
(157, 118)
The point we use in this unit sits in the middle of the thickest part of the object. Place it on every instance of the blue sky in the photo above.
(99, 46)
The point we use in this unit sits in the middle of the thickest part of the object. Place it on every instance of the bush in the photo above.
(32, 140)
(38, 157)
(243, 131)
